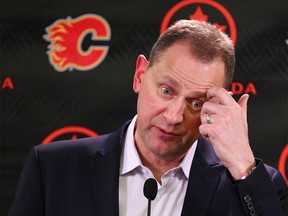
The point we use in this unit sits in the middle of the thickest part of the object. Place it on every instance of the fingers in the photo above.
(243, 104)
(243, 101)
(220, 96)
(221, 109)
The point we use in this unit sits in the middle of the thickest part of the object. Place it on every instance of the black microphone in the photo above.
(150, 191)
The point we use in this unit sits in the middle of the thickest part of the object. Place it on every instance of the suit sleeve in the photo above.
(29, 195)
(263, 192)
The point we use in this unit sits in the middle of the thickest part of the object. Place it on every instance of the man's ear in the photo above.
(141, 67)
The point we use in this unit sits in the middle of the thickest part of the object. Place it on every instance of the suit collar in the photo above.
(203, 180)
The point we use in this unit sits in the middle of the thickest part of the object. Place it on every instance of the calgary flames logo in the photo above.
(66, 42)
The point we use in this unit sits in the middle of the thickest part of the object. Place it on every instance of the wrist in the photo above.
(247, 172)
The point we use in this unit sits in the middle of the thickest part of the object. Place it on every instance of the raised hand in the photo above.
(224, 124)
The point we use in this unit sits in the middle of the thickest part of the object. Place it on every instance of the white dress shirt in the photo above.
(170, 196)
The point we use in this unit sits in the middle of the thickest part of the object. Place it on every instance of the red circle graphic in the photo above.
(219, 7)
(66, 130)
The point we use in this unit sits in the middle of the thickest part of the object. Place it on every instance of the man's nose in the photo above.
(174, 112)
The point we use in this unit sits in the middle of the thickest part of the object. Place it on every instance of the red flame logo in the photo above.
(66, 38)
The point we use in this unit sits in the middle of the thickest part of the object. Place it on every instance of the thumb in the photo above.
(243, 103)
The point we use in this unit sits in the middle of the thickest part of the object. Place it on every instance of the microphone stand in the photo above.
(149, 207)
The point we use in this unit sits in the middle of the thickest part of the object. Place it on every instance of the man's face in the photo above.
(170, 96)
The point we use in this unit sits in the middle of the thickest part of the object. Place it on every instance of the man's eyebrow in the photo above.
(170, 80)
(201, 94)
(175, 83)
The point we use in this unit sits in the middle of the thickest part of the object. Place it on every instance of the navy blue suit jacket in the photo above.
(80, 177)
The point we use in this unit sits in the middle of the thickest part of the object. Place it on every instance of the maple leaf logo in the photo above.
(199, 15)
(228, 26)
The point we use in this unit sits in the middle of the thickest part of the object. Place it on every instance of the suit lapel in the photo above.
(203, 181)
(104, 182)
(104, 173)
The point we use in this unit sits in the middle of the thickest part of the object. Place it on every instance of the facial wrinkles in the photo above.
(202, 74)
(190, 83)
(186, 78)
(189, 71)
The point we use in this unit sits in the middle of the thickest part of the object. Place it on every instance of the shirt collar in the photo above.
(130, 159)
(187, 160)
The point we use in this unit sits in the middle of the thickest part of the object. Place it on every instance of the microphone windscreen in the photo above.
(150, 188)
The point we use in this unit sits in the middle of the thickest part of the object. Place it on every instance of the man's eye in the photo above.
(166, 91)
(197, 104)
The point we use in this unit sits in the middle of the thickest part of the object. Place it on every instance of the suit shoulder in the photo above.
(275, 175)
(84, 146)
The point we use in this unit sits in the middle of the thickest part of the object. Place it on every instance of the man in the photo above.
(189, 134)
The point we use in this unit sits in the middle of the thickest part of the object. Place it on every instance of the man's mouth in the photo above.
(168, 132)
